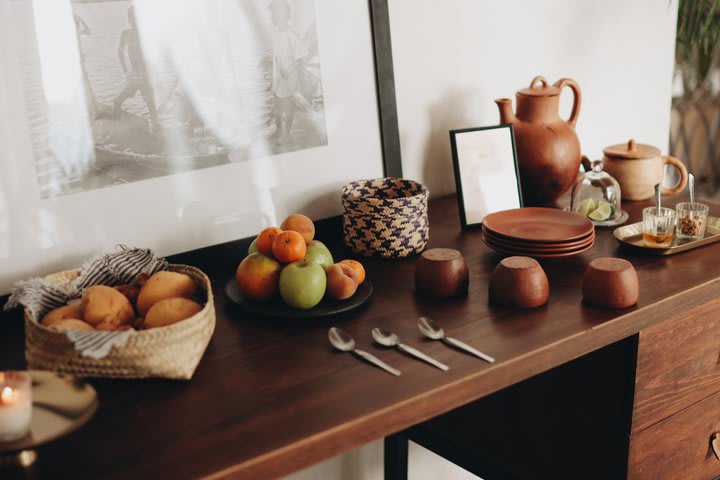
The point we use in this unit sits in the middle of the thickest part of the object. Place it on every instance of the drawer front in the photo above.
(678, 364)
(679, 447)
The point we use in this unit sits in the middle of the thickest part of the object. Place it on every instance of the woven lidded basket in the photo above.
(173, 351)
(385, 217)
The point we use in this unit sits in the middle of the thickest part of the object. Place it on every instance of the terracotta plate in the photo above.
(277, 309)
(538, 248)
(511, 243)
(515, 241)
(525, 252)
(538, 224)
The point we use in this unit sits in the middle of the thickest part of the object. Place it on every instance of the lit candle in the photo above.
(15, 405)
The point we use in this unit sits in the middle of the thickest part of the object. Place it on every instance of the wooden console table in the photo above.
(271, 397)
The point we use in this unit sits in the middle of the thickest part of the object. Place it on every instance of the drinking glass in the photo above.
(691, 220)
(658, 227)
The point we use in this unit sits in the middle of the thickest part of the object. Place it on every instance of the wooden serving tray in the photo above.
(631, 236)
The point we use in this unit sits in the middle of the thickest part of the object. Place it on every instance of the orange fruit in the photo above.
(265, 239)
(298, 222)
(257, 276)
(289, 247)
(357, 266)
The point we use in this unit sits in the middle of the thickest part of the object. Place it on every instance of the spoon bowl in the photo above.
(433, 331)
(430, 329)
(341, 339)
(344, 342)
(390, 339)
(385, 337)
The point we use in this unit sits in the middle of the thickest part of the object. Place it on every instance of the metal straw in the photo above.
(658, 197)
(691, 186)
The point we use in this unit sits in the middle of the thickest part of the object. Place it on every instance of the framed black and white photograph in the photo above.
(179, 124)
(244, 83)
(486, 173)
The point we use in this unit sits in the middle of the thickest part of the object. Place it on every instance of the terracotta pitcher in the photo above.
(547, 146)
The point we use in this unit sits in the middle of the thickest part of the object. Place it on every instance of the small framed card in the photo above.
(486, 172)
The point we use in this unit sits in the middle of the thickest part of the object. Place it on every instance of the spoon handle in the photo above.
(376, 361)
(691, 187)
(464, 346)
(418, 354)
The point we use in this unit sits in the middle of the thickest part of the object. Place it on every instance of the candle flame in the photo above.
(6, 394)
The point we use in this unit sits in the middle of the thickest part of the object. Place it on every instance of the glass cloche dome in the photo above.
(597, 197)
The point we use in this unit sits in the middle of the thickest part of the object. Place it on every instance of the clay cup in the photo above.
(441, 272)
(519, 282)
(610, 283)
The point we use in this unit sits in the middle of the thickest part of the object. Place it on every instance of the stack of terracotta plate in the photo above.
(538, 232)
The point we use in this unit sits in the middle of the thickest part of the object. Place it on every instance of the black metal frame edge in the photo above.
(456, 168)
(385, 87)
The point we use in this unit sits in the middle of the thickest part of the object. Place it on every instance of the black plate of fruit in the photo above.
(275, 307)
(289, 274)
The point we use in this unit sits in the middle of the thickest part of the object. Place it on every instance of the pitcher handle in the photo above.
(682, 169)
(577, 97)
(540, 79)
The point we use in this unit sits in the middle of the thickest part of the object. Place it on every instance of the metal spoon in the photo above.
(342, 340)
(431, 330)
(691, 187)
(658, 198)
(389, 339)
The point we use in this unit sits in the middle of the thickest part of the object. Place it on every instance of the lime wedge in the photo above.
(585, 207)
(601, 213)
(612, 207)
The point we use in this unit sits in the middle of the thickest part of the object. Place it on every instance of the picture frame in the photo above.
(486, 172)
(198, 208)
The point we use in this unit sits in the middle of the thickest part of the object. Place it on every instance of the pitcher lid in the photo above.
(539, 87)
(631, 150)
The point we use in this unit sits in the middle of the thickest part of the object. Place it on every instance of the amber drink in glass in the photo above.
(658, 226)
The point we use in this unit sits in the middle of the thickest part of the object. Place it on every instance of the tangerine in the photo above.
(289, 247)
(265, 239)
(298, 222)
(357, 266)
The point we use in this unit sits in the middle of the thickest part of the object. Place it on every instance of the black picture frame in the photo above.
(458, 174)
(385, 86)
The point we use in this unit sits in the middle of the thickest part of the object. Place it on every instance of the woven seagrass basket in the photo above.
(173, 351)
(385, 217)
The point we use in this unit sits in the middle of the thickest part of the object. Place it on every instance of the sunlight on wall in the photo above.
(211, 49)
(69, 135)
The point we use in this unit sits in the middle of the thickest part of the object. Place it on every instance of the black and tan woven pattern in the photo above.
(385, 217)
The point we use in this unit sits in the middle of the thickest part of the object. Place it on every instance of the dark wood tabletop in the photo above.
(271, 396)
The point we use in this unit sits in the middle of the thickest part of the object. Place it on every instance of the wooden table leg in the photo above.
(396, 457)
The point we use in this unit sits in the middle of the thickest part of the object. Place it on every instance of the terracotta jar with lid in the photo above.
(548, 149)
(638, 168)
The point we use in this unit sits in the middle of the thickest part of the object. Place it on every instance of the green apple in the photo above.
(253, 247)
(317, 252)
(302, 284)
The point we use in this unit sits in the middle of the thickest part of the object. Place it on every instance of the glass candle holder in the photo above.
(691, 220)
(658, 227)
(15, 405)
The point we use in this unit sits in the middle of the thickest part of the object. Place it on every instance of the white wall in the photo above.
(452, 58)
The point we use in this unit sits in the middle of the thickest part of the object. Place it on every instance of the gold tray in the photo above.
(62, 403)
(631, 236)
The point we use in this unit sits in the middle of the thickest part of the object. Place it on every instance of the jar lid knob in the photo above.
(632, 145)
